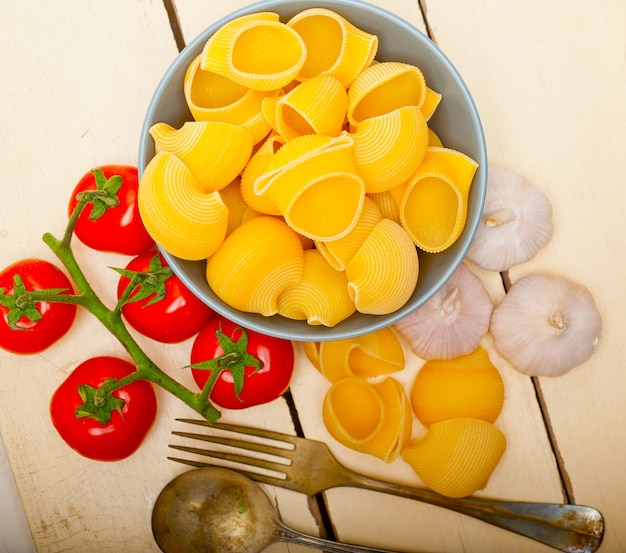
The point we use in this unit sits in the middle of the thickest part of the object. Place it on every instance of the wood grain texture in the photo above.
(74, 96)
(549, 80)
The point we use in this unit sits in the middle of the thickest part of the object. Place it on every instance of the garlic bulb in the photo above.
(516, 222)
(546, 325)
(453, 321)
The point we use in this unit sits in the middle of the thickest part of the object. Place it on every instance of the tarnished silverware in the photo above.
(309, 467)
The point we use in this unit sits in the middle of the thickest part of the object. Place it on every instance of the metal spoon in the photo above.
(218, 510)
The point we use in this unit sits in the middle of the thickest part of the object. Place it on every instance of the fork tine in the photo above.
(232, 442)
(232, 457)
(257, 432)
(257, 476)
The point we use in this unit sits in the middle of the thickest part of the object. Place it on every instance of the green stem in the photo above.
(112, 321)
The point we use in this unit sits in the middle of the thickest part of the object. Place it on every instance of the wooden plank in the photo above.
(550, 85)
(74, 96)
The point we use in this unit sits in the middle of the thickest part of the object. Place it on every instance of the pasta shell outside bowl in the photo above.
(455, 121)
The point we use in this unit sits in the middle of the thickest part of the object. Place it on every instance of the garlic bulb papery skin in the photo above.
(516, 222)
(546, 325)
(452, 322)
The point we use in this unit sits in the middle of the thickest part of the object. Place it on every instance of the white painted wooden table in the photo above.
(549, 81)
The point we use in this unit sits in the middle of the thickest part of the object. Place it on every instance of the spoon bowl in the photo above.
(219, 510)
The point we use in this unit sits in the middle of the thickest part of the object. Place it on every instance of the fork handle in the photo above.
(566, 527)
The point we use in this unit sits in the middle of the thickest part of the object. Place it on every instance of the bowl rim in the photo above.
(309, 333)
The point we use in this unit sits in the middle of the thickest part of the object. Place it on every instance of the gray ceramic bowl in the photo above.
(456, 121)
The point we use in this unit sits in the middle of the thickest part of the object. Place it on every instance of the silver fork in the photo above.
(309, 467)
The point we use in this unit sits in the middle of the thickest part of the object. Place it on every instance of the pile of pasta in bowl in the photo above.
(308, 182)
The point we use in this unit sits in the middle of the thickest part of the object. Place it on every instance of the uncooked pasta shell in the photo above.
(317, 191)
(389, 148)
(431, 100)
(257, 166)
(320, 297)
(370, 418)
(382, 275)
(338, 253)
(181, 217)
(433, 140)
(257, 51)
(213, 97)
(215, 152)
(386, 204)
(374, 354)
(334, 45)
(384, 87)
(255, 263)
(457, 456)
(238, 210)
(433, 208)
(465, 386)
(316, 106)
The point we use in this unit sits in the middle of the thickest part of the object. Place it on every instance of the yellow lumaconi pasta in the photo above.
(234, 202)
(389, 148)
(255, 50)
(457, 456)
(215, 152)
(181, 217)
(383, 273)
(431, 100)
(320, 297)
(370, 418)
(384, 87)
(334, 45)
(466, 386)
(433, 208)
(315, 186)
(298, 126)
(316, 106)
(434, 140)
(312, 352)
(255, 263)
(339, 252)
(257, 165)
(374, 354)
(213, 97)
(387, 205)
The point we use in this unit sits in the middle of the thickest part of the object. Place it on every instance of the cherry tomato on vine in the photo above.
(32, 326)
(167, 311)
(120, 425)
(252, 368)
(111, 229)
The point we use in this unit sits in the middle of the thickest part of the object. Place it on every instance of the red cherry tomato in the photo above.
(33, 328)
(119, 229)
(258, 384)
(133, 411)
(178, 316)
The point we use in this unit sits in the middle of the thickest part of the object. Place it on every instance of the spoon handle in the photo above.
(286, 534)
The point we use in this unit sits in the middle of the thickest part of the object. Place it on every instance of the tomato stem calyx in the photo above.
(234, 359)
(98, 403)
(23, 303)
(142, 285)
(104, 196)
